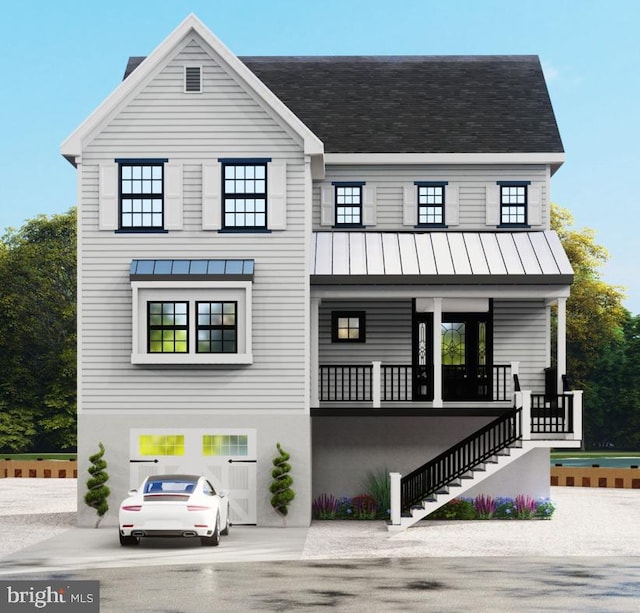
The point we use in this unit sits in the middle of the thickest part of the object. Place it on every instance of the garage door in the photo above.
(227, 457)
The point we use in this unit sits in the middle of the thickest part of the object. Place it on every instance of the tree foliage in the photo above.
(594, 310)
(38, 341)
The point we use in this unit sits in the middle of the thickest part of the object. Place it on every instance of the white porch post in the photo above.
(562, 341)
(314, 358)
(437, 352)
(395, 498)
(577, 415)
(523, 399)
(376, 383)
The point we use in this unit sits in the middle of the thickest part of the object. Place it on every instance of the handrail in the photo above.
(461, 458)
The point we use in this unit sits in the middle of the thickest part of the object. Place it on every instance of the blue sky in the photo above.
(60, 59)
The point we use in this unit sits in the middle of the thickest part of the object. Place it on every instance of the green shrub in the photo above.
(98, 492)
(280, 488)
(377, 484)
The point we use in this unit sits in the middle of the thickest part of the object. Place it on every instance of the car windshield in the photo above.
(173, 486)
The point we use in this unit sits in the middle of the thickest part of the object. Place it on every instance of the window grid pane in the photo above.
(513, 204)
(245, 196)
(217, 327)
(430, 204)
(160, 444)
(348, 326)
(141, 196)
(348, 205)
(167, 327)
(225, 445)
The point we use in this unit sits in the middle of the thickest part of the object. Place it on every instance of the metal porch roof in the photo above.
(191, 270)
(439, 258)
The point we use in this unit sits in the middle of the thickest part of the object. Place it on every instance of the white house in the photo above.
(347, 255)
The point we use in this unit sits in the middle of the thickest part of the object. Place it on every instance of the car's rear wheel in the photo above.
(128, 541)
(225, 530)
(214, 539)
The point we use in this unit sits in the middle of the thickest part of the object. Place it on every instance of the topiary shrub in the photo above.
(280, 488)
(96, 497)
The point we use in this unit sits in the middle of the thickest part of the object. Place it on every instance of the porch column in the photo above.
(314, 357)
(437, 352)
(562, 341)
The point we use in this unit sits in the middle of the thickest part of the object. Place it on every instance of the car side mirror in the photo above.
(223, 493)
(132, 492)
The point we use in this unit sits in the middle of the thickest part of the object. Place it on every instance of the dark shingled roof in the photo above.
(415, 104)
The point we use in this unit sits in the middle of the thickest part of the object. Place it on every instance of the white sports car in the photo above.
(174, 505)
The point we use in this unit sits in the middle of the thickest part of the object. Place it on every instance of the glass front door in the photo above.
(466, 356)
(465, 368)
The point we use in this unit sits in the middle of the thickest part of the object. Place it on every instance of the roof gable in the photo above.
(146, 68)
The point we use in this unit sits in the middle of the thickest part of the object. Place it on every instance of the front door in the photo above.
(465, 357)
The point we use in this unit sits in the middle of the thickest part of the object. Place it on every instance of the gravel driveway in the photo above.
(587, 522)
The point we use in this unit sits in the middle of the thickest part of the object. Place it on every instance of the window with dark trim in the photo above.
(217, 327)
(141, 195)
(431, 202)
(244, 195)
(348, 326)
(513, 204)
(348, 205)
(168, 327)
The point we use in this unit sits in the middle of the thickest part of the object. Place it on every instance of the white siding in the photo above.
(469, 181)
(224, 121)
(520, 334)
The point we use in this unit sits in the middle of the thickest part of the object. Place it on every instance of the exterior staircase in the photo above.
(456, 470)
(457, 487)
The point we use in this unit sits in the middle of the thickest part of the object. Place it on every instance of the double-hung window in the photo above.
(431, 203)
(168, 326)
(513, 203)
(348, 198)
(141, 194)
(244, 195)
(217, 327)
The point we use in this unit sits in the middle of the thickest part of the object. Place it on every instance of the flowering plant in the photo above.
(485, 506)
(324, 506)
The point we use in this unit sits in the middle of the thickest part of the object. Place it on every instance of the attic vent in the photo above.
(193, 79)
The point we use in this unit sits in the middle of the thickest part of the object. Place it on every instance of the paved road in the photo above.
(443, 585)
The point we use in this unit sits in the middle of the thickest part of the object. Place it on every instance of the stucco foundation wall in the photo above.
(345, 449)
(527, 475)
(291, 431)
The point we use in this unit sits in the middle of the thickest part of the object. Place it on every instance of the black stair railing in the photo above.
(461, 458)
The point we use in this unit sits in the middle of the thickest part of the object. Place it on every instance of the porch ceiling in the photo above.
(439, 258)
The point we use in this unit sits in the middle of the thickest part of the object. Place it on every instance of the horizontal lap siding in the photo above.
(520, 332)
(471, 180)
(388, 333)
(223, 121)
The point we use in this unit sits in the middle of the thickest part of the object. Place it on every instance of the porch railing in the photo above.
(394, 382)
(550, 415)
(346, 383)
(460, 459)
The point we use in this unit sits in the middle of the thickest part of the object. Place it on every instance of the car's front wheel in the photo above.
(214, 539)
(127, 541)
